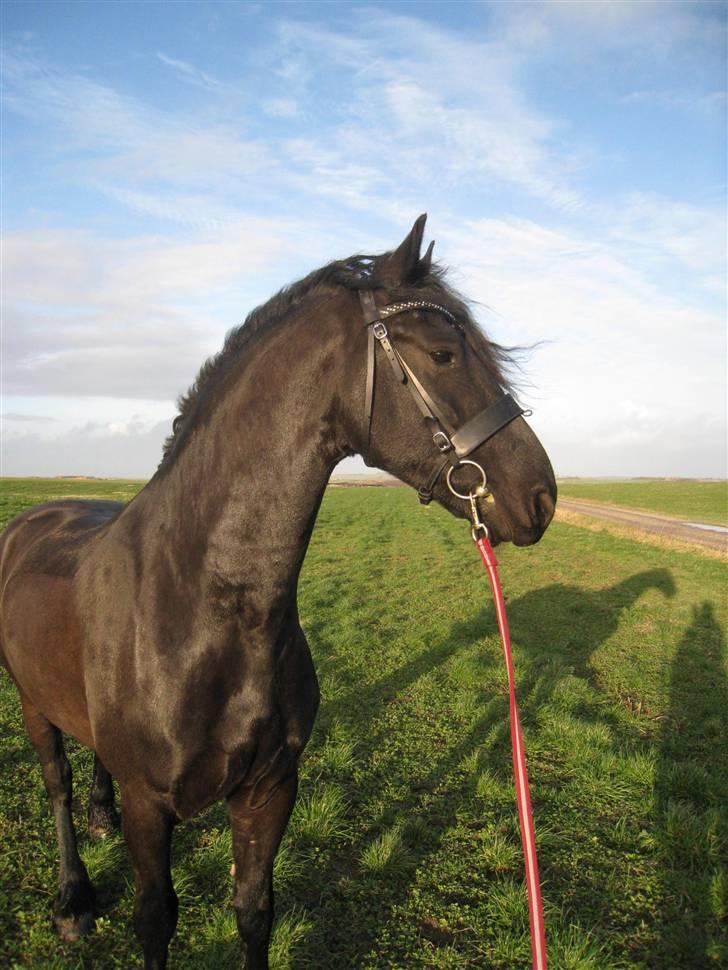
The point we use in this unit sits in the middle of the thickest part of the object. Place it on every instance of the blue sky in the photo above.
(168, 166)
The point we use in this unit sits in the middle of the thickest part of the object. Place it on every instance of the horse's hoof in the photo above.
(72, 928)
(102, 821)
(73, 911)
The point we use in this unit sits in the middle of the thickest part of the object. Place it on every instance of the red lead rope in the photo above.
(523, 796)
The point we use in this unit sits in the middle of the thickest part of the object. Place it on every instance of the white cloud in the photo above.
(658, 230)
(91, 449)
(579, 27)
(623, 364)
(85, 315)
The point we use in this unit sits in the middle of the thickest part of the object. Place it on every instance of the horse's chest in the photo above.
(258, 758)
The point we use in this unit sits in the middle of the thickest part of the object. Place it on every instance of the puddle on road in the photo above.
(708, 528)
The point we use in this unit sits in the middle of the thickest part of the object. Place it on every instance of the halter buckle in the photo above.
(442, 442)
(379, 330)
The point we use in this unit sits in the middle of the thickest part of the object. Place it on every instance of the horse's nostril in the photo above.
(543, 506)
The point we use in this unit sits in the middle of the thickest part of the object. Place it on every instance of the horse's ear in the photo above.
(404, 264)
(425, 264)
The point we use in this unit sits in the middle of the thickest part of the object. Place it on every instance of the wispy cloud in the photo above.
(193, 75)
(710, 103)
(665, 233)
(23, 418)
(417, 106)
(413, 116)
(121, 145)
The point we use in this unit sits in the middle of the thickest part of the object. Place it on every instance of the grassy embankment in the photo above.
(403, 850)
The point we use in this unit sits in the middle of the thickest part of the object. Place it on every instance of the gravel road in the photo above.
(664, 525)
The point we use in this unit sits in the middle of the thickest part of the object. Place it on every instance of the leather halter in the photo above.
(454, 444)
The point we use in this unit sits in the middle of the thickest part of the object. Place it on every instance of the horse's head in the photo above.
(435, 394)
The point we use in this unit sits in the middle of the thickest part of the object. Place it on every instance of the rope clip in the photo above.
(478, 524)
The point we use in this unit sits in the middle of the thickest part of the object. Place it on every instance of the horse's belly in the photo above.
(42, 644)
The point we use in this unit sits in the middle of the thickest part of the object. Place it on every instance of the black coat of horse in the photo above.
(164, 634)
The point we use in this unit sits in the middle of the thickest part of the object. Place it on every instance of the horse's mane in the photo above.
(355, 273)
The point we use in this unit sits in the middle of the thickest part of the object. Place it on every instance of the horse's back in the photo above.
(36, 537)
(40, 627)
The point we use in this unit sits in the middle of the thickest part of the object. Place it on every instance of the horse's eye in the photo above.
(442, 356)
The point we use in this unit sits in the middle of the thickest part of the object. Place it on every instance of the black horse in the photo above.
(164, 634)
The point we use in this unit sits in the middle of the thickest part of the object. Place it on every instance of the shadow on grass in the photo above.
(691, 800)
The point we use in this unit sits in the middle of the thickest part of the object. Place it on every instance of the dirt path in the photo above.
(661, 525)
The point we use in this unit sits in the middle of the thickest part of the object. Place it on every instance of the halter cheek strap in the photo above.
(454, 445)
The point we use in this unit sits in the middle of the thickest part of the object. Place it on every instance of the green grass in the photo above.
(697, 501)
(403, 851)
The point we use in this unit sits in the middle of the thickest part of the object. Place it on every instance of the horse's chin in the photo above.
(498, 531)
(496, 538)
(527, 537)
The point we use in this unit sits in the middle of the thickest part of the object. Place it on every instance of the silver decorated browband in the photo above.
(391, 308)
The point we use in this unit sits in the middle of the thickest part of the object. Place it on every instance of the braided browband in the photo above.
(392, 308)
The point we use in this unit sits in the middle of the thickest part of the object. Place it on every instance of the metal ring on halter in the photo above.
(451, 469)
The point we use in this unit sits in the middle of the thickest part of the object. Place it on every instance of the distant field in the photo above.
(695, 501)
(403, 852)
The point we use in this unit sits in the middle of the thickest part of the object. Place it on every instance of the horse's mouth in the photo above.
(498, 528)
(503, 526)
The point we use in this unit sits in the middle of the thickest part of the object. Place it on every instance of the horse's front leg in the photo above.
(102, 815)
(148, 835)
(257, 831)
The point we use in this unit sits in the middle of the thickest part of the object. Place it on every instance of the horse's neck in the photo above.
(241, 498)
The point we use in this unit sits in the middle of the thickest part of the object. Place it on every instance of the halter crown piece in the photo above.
(454, 444)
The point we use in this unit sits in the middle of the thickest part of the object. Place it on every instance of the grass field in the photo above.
(403, 851)
(696, 501)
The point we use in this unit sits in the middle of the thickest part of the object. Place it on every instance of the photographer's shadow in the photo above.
(691, 798)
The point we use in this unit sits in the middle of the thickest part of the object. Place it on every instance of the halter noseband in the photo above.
(453, 444)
